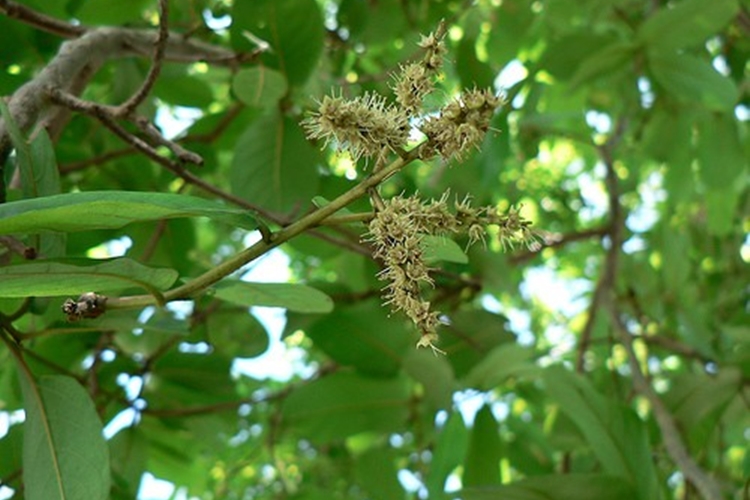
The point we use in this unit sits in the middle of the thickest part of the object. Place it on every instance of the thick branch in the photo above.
(86, 55)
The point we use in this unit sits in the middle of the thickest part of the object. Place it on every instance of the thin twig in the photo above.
(692, 472)
(40, 21)
(670, 434)
(556, 240)
(128, 107)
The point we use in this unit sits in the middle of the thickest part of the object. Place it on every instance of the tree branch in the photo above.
(40, 21)
(128, 107)
(87, 53)
(235, 262)
(670, 434)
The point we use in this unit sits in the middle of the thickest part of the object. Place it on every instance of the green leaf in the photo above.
(376, 473)
(442, 248)
(691, 79)
(177, 86)
(606, 60)
(292, 296)
(470, 336)
(188, 379)
(237, 333)
(110, 210)
(614, 433)
(694, 397)
(435, 374)
(364, 337)
(557, 487)
(131, 449)
(65, 455)
(273, 165)
(36, 160)
(343, 404)
(259, 86)
(503, 361)
(76, 276)
(449, 452)
(106, 12)
(293, 28)
(12, 446)
(688, 23)
(721, 205)
(39, 175)
(719, 151)
(482, 465)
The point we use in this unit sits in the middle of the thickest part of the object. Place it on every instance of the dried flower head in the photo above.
(364, 126)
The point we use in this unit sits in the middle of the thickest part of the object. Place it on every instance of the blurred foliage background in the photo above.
(610, 361)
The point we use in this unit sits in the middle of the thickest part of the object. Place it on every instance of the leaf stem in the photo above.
(313, 219)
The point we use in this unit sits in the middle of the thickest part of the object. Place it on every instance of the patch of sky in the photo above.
(174, 120)
(511, 74)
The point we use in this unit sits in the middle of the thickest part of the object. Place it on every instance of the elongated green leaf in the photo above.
(442, 248)
(51, 278)
(344, 404)
(691, 79)
(557, 487)
(39, 176)
(293, 29)
(293, 296)
(110, 210)
(482, 465)
(615, 433)
(449, 452)
(65, 455)
(273, 164)
(36, 159)
(259, 86)
(687, 24)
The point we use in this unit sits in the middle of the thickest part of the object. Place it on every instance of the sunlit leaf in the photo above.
(442, 248)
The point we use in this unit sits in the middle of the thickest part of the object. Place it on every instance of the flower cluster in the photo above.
(397, 239)
(364, 126)
(396, 232)
(416, 79)
(369, 127)
(461, 124)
